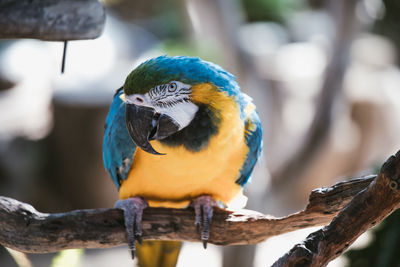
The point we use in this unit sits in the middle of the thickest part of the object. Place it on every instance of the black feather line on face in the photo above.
(161, 97)
(171, 103)
(185, 90)
(118, 91)
(119, 177)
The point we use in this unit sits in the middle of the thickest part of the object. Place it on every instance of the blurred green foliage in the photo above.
(202, 49)
(382, 251)
(389, 24)
(270, 10)
(163, 18)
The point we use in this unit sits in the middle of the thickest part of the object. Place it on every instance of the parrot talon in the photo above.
(132, 253)
(203, 208)
(205, 244)
(139, 239)
(197, 227)
(133, 210)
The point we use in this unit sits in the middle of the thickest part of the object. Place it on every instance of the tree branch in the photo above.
(365, 210)
(358, 205)
(25, 229)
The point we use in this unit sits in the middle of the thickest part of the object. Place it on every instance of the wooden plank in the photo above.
(51, 20)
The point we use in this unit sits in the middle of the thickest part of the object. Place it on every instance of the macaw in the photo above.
(179, 131)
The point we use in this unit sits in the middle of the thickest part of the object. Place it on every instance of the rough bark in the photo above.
(366, 209)
(25, 229)
(52, 20)
(355, 206)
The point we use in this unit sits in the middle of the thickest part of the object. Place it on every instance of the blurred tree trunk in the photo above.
(76, 148)
(217, 22)
(344, 15)
(293, 172)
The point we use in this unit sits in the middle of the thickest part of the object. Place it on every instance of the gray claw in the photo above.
(139, 239)
(203, 208)
(205, 244)
(133, 210)
(197, 227)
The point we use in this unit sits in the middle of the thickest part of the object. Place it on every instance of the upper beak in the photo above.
(145, 124)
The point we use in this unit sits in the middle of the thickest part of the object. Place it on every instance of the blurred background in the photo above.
(324, 75)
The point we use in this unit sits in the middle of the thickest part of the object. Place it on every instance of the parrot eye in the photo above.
(172, 87)
(167, 94)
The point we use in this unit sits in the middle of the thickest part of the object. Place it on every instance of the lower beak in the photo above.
(145, 124)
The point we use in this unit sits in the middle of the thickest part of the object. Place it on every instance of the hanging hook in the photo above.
(64, 55)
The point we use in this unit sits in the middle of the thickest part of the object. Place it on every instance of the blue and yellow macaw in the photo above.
(179, 131)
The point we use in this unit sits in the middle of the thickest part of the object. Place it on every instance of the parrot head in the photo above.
(158, 96)
(162, 111)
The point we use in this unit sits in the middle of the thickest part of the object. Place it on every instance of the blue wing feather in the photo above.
(253, 137)
(118, 147)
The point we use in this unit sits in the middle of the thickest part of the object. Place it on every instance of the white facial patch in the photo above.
(183, 113)
(171, 99)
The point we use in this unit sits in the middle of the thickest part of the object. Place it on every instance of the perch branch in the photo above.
(52, 20)
(365, 210)
(25, 229)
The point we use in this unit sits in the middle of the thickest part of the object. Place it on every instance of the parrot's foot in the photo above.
(203, 208)
(133, 209)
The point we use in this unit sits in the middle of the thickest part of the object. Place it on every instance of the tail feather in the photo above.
(158, 253)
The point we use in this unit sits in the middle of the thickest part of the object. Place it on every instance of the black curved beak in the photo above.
(145, 124)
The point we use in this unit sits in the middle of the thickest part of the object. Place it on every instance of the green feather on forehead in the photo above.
(189, 70)
(145, 77)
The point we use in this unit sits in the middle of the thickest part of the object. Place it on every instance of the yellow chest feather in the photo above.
(172, 180)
